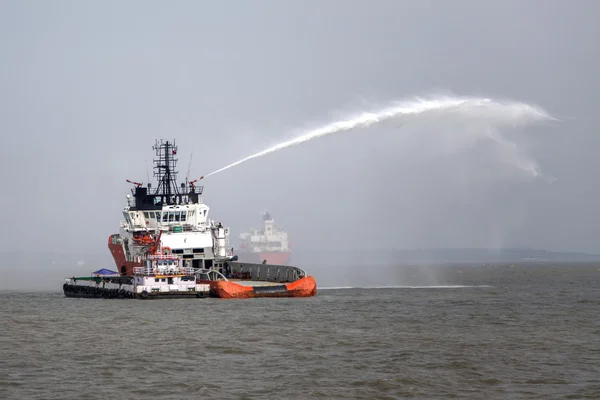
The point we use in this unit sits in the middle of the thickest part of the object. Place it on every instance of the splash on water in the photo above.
(497, 112)
(408, 287)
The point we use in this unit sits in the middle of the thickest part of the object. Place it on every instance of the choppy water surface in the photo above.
(496, 332)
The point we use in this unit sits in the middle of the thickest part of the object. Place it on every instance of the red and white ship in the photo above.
(167, 247)
(174, 211)
(268, 245)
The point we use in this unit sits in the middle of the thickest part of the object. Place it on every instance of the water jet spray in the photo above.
(501, 113)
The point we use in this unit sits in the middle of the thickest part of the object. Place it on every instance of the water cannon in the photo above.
(196, 180)
(133, 183)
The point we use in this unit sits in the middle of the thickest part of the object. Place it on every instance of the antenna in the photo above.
(187, 176)
(165, 170)
(167, 191)
(147, 172)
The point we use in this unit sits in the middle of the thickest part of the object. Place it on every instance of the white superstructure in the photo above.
(174, 212)
(185, 229)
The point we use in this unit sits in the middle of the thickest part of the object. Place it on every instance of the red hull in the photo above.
(123, 266)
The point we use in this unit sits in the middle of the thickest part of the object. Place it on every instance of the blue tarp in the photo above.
(105, 271)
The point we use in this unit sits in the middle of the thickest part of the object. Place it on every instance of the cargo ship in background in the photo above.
(168, 247)
(269, 245)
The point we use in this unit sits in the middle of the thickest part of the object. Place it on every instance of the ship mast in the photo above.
(168, 192)
(165, 170)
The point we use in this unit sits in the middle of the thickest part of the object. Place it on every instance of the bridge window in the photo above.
(146, 215)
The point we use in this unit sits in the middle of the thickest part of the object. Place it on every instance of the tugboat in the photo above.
(168, 247)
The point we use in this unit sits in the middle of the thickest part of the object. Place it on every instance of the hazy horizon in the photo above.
(337, 268)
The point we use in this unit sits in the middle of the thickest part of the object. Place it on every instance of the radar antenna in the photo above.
(165, 171)
(167, 191)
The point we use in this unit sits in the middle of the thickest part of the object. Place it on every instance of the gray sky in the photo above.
(86, 87)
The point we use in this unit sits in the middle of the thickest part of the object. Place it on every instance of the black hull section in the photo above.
(86, 292)
(271, 291)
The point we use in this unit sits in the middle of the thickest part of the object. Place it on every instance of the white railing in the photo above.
(148, 271)
(173, 271)
(210, 275)
(187, 270)
(163, 257)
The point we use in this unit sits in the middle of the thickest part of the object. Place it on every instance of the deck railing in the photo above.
(147, 271)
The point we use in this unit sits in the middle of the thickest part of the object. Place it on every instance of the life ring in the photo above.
(144, 294)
